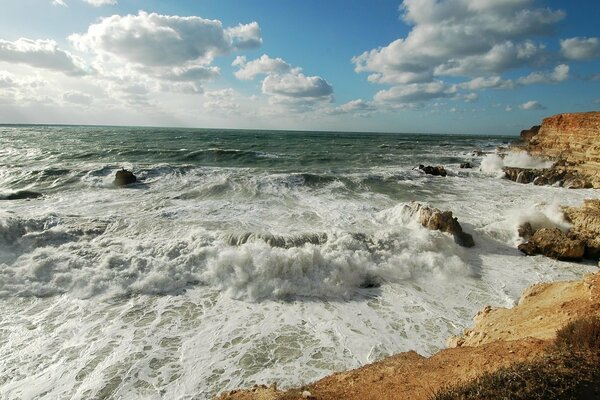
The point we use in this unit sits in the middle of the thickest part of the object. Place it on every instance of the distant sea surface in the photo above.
(244, 256)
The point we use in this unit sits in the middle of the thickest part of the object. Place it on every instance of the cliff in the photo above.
(571, 139)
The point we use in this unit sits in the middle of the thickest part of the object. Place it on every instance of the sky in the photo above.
(413, 66)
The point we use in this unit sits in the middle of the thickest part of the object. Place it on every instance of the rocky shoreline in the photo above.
(500, 337)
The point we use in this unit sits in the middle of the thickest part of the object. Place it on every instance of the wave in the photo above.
(100, 257)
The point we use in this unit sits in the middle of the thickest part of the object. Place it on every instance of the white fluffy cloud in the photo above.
(532, 105)
(41, 54)
(155, 40)
(282, 81)
(264, 65)
(559, 74)
(414, 93)
(580, 48)
(460, 38)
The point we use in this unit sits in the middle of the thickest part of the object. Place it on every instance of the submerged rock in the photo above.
(21, 194)
(124, 178)
(466, 165)
(434, 219)
(431, 170)
(554, 243)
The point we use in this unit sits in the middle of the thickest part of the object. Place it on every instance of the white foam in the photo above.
(493, 163)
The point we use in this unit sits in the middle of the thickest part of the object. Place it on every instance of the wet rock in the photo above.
(466, 165)
(552, 242)
(525, 230)
(547, 176)
(586, 226)
(124, 178)
(21, 194)
(434, 219)
(431, 170)
(527, 134)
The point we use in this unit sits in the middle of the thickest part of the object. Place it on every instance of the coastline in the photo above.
(500, 336)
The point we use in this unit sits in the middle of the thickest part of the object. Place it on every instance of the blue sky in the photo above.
(438, 66)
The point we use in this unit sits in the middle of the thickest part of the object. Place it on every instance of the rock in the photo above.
(528, 134)
(586, 226)
(436, 171)
(525, 230)
(547, 176)
(466, 165)
(573, 139)
(552, 242)
(434, 219)
(21, 194)
(124, 177)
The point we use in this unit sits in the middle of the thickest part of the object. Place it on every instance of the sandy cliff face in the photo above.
(574, 138)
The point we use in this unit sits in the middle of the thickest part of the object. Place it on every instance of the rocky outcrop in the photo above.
(586, 226)
(557, 175)
(124, 178)
(540, 312)
(527, 134)
(431, 170)
(552, 242)
(438, 220)
(571, 139)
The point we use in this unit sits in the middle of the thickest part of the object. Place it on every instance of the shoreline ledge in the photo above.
(500, 337)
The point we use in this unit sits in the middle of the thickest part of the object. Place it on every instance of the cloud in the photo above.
(283, 81)
(41, 54)
(414, 93)
(78, 98)
(221, 100)
(460, 38)
(245, 37)
(296, 85)
(580, 48)
(264, 65)
(559, 74)
(491, 82)
(194, 73)
(98, 3)
(59, 3)
(357, 107)
(154, 40)
(532, 105)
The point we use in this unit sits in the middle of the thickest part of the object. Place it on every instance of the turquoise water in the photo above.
(244, 257)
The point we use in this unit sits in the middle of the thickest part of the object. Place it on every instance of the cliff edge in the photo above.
(572, 140)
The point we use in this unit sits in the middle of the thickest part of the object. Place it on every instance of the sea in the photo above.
(245, 257)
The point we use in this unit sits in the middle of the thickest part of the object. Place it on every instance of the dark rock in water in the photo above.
(434, 219)
(528, 134)
(436, 171)
(466, 165)
(287, 242)
(124, 177)
(547, 176)
(21, 194)
(525, 230)
(552, 242)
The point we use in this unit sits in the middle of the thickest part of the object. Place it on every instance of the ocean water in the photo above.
(245, 257)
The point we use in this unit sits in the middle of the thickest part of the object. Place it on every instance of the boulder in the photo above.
(552, 242)
(21, 194)
(431, 170)
(434, 219)
(124, 178)
(466, 165)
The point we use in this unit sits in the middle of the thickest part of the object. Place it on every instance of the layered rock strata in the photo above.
(573, 141)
